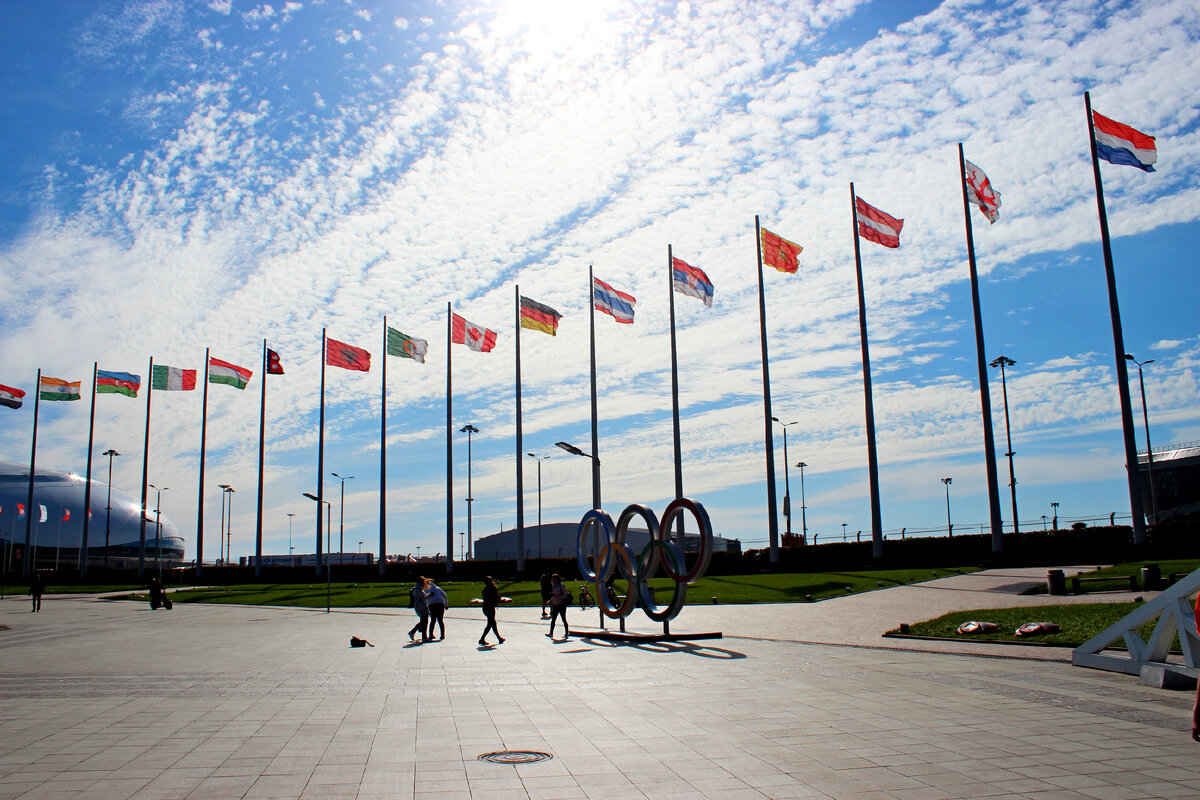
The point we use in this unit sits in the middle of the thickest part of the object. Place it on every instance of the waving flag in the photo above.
(691, 281)
(981, 193)
(779, 253)
(57, 389)
(615, 303)
(231, 374)
(117, 383)
(476, 337)
(405, 346)
(877, 226)
(274, 365)
(539, 317)
(1118, 143)
(172, 379)
(346, 356)
(45, 513)
(66, 515)
(11, 397)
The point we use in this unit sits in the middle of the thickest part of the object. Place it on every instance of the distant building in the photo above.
(559, 540)
(1176, 471)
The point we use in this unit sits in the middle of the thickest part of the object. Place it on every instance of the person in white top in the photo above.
(436, 600)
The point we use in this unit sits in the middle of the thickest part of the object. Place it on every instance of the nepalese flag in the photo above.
(346, 356)
(117, 383)
(778, 252)
(405, 346)
(539, 317)
(877, 226)
(231, 374)
(58, 389)
(476, 337)
(11, 397)
(691, 281)
(172, 379)
(1118, 143)
(613, 302)
(981, 193)
(274, 365)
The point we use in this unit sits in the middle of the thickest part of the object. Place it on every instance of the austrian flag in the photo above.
(877, 226)
(476, 337)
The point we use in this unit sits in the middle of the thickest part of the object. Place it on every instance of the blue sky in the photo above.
(188, 175)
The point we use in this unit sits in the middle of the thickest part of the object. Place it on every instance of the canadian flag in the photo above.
(474, 336)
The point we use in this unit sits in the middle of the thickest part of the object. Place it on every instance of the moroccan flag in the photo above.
(11, 397)
(346, 356)
(877, 226)
(223, 372)
(981, 193)
(399, 344)
(57, 389)
(691, 281)
(274, 365)
(1117, 143)
(779, 253)
(539, 317)
(474, 336)
(172, 379)
(117, 383)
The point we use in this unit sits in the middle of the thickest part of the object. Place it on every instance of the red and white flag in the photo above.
(474, 336)
(346, 356)
(981, 193)
(877, 226)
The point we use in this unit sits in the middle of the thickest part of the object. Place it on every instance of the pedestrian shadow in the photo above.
(666, 648)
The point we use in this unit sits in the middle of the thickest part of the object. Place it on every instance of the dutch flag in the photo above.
(1118, 143)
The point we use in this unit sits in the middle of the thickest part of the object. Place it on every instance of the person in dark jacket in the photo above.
(419, 605)
(491, 599)
(36, 587)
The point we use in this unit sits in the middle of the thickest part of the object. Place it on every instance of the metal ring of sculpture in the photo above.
(593, 517)
(645, 595)
(677, 507)
(628, 571)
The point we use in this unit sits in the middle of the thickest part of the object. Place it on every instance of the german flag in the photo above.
(539, 317)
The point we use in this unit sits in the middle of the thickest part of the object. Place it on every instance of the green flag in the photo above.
(404, 346)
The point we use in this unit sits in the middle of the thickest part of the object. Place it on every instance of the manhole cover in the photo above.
(515, 757)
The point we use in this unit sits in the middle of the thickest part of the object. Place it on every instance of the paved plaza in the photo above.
(104, 699)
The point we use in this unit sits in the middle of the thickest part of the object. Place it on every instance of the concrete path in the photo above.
(104, 699)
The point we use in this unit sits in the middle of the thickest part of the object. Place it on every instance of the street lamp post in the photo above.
(949, 525)
(224, 487)
(229, 527)
(328, 568)
(291, 550)
(539, 460)
(843, 531)
(1002, 362)
(342, 514)
(108, 508)
(469, 429)
(158, 523)
(803, 506)
(1054, 524)
(787, 489)
(1149, 450)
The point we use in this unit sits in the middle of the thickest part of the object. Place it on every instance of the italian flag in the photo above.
(57, 389)
(223, 372)
(173, 379)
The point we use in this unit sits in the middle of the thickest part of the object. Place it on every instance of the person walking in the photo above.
(491, 599)
(436, 599)
(558, 605)
(421, 606)
(36, 587)
(546, 589)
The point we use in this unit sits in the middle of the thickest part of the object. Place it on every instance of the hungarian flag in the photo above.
(474, 336)
(274, 365)
(1117, 143)
(779, 253)
(981, 193)
(10, 397)
(405, 346)
(58, 389)
(346, 356)
(117, 383)
(172, 379)
(539, 317)
(691, 281)
(231, 374)
(877, 226)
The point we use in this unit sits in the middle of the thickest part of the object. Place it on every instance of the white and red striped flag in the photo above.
(877, 226)
(474, 336)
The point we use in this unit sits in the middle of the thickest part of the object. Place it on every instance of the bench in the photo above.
(1077, 583)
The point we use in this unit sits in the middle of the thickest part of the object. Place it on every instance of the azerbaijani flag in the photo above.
(613, 302)
(779, 253)
(117, 383)
(877, 226)
(173, 379)
(223, 372)
(57, 389)
(539, 317)
(10, 397)
(1118, 143)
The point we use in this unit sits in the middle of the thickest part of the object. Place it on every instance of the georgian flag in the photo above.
(877, 226)
(476, 337)
(981, 193)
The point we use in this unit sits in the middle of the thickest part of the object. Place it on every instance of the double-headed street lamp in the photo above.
(229, 490)
(787, 490)
(803, 506)
(158, 490)
(1149, 450)
(469, 429)
(949, 525)
(539, 460)
(224, 487)
(108, 508)
(1002, 362)
(291, 550)
(1054, 523)
(342, 514)
(328, 512)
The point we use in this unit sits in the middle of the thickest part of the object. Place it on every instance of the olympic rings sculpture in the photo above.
(612, 554)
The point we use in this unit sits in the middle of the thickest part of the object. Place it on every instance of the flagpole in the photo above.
(383, 457)
(87, 486)
(595, 424)
(145, 474)
(449, 434)
(520, 449)
(678, 449)
(262, 428)
(772, 522)
(321, 454)
(985, 398)
(200, 490)
(872, 455)
(1131, 459)
(32, 464)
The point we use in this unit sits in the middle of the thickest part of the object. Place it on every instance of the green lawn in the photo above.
(1118, 571)
(23, 588)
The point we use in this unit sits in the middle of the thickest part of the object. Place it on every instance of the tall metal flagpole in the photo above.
(985, 398)
(595, 417)
(200, 497)
(383, 457)
(1131, 460)
(872, 456)
(321, 455)
(145, 473)
(87, 486)
(262, 438)
(520, 451)
(678, 452)
(449, 435)
(768, 438)
(25, 562)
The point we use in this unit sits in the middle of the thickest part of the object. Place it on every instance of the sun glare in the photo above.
(553, 25)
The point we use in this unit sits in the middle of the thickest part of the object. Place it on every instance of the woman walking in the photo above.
(436, 599)
(558, 605)
(420, 606)
(491, 599)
